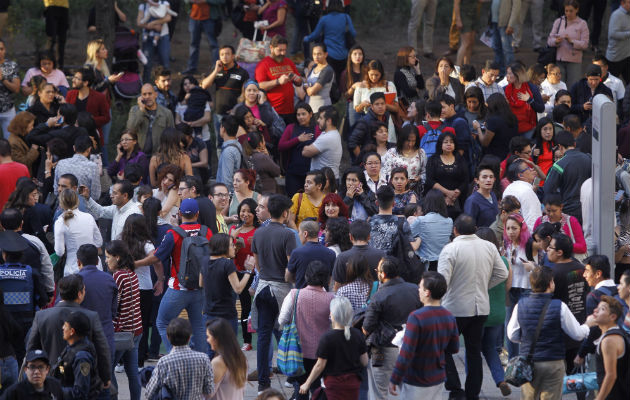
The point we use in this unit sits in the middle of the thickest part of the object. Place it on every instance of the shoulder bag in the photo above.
(548, 54)
(520, 370)
(290, 358)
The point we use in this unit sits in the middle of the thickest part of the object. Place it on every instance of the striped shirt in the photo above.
(431, 332)
(129, 317)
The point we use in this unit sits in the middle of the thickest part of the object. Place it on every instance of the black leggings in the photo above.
(57, 24)
(146, 307)
(246, 307)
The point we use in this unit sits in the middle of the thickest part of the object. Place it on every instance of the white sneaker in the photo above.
(119, 369)
(288, 384)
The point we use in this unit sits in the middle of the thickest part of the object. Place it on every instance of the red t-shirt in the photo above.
(281, 96)
(9, 174)
(242, 254)
(434, 124)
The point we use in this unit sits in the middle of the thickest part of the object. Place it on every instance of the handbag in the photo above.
(59, 265)
(520, 370)
(290, 359)
(348, 38)
(579, 381)
(548, 54)
(252, 51)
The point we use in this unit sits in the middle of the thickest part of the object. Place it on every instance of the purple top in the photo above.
(271, 15)
(136, 158)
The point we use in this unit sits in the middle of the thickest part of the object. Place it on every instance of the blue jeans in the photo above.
(195, 28)
(233, 323)
(268, 312)
(162, 51)
(9, 371)
(353, 116)
(502, 46)
(491, 336)
(129, 359)
(173, 302)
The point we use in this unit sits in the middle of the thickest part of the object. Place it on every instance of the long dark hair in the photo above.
(349, 81)
(151, 209)
(19, 197)
(229, 350)
(538, 133)
(405, 132)
(136, 234)
(339, 229)
(182, 93)
(251, 203)
(359, 174)
(475, 92)
(118, 248)
(498, 106)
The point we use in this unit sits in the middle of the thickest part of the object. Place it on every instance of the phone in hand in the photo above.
(60, 121)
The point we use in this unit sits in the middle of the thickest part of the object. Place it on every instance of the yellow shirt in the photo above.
(56, 3)
(221, 225)
(307, 209)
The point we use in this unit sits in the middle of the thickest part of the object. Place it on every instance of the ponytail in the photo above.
(346, 332)
(68, 214)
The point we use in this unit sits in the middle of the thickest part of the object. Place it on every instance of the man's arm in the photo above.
(372, 316)
(499, 272)
(95, 187)
(407, 350)
(136, 118)
(102, 350)
(310, 151)
(445, 264)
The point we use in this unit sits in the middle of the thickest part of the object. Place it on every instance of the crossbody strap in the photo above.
(295, 306)
(530, 355)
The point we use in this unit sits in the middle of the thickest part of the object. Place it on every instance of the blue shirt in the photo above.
(300, 258)
(101, 296)
(435, 232)
(333, 27)
(484, 211)
(229, 162)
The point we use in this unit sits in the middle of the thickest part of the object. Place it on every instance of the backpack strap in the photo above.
(203, 231)
(180, 231)
(373, 290)
(297, 212)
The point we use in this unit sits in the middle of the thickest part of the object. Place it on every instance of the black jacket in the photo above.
(566, 177)
(581, 93)
(42, 134)
(362, 131)
(24, 390)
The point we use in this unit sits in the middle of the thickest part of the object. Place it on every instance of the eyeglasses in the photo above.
(525, 169)
(221, 195)
(34, 368)
(551, 248)
(373, 163)
(181, 189)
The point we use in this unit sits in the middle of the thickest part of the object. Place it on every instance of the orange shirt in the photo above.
(200, 11)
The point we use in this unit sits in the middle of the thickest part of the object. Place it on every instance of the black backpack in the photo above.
(411, 268)
(194, 254)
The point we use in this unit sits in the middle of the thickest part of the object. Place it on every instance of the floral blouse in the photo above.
(415, 166)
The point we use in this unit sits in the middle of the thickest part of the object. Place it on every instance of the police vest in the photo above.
(64, 369)
(16, 281)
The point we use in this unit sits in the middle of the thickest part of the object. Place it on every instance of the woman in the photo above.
(332, 207)
(128, 152)
(220, 281)
(341, 355)
(10, 86)
(447, 171)
(331, 181)
(407, 154)
(570, 225)
(434, 229)
(197, 150)
(243, 182)
(319, 79)
(248, 123)
(97, 55)
(293, 140)
(168, 176)
(372, 164)
(375, 82)
(408, 76)
(261, 109)
(136, 234)
(307, 204)
(229, 366)
(402, 194)
(351, 78)
(359, 286)
(46, 103)
(416, 112)
(275, 12)
(243, 234)
(266, 169)
(310, 307)
(357, 196)
(19, 127)
(380, 134)
(170, 151)
(25, 198)
(338, 234)
(46, 66)
(551, 85)
(524, 99)
(570, 35)
(444, 67)
(515, 238)
(501, 127)
(191, 108)
(73, 228)
(482, 205)
(475, 106)
(536, 248)
(542, 153)
(128, 317)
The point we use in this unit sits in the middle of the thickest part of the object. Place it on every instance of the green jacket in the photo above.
(138, 122)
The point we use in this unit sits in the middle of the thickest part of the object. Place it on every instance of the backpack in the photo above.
(411, 266)
(430, 138)
(194, 254)
(244, 164)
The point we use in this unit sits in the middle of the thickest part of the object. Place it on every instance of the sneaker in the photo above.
(430, 56)
(505, 389)
(253, 376)
(119, 369)
(262, 389)
(449, 52)
(247, 347)
(288, 384)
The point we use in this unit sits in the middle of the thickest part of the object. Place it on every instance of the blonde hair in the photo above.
(69, 201)
(93, 47)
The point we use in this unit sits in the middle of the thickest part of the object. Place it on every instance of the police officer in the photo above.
(22, 286)
(38, 385)
(76, 367)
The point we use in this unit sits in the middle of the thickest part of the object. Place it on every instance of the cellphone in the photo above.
(143, 101)
(523, 260)
(417, 62)
(291, 75)
(533, 147)
(245, 7)
(60, 120)
(55, 158)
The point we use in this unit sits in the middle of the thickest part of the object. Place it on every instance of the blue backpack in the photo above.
(430, 138)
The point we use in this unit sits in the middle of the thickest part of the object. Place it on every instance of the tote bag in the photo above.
(290, 358)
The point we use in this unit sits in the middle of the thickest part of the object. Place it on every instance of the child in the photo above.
(157, 10)
(412, 211)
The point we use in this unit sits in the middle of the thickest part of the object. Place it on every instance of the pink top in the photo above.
(312, 318)
(225, 389)
(56, 77)
(577, 30)
(579, 243)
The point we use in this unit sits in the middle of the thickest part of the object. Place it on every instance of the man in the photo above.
(81, 167)
(536, 8)
(360, 238)
(433, 127)
(89, 100)
(101, 292)
(326, 150)
(149, 119)
(272, 246)
(276, 74)
(190, 188)
(165, 96)
(122, 206)
(567, 175)
(385, 225)
(487, 81)
(204, 17)
(228, 79)
(67, 181)
(391, 304)
(262, 212)
(38, 385)
(431, 331)
(470, 266)
(583, 140)
(197, 379)
(46, 332)
(522, 176)
(613, 354)
(420, 8)
(618, 50)
(220, 197)
(463, 137)
(177, 297)
(311, 250)
(10, 172)
(231, 158)
(612, 82)
(364, 127)
(583, 91)
(61, 126)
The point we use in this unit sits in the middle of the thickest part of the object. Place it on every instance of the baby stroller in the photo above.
(126, 50)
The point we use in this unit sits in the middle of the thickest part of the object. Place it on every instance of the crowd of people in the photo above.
(373, 221)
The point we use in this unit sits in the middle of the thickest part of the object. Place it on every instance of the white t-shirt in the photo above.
(330, 151)
(180, 109)
(144, 273)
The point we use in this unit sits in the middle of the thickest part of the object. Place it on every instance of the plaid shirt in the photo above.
(187, 374)
(488, 90)
(357, 292)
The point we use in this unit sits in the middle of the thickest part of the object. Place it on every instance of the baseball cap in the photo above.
(189, 207)
(37, 355)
